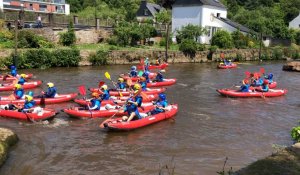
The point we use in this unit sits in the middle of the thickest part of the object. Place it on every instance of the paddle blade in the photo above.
(129, 82)
(163, 66)
(247, 73)
(121, 95)
(262, 70)
(42, 102)
(82, 90)
(145, 96)
(11, 97)
(101, 83)
(140, 73)
(142, 61)
(107, 75)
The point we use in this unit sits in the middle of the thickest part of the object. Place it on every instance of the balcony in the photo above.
(45, 1)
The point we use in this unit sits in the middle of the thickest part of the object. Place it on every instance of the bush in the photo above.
(100, 58)
(5, 35)
(277, 53)
(200, 47)
(188, 47)
(295, 133)
(297, 38)
(42, 58)
(28, 39)
(222, 39)
(113, 40)
(68, 38)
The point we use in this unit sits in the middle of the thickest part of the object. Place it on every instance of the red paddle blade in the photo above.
(101, 83)
(163, 66)
(145, 96)
(262, 70)
(247, 73)
(129, 82)
(142, 61)
(82, 90)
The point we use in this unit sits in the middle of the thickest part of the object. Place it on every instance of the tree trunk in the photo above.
(167, 43)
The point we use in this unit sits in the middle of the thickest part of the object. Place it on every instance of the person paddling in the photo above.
(265, 86)
(133, 72)
(121, 84)
(269, 77)
(245, 86)
(50, 93)
(132, 105)
(13, 71)
(146, 75)
(29, 104)
(95, 102)
(22, 79)
(143, 83)
(159, 77)
(160, 104)
(18, 92)
(105, 92)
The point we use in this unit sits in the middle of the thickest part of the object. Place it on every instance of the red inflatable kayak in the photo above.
(11, 78)
(27, 85)
(166, 82)
(271, 86)
(223, 66)
(236, 93)
(118, 124)
(30, 116)
(161, 66)
(58, 99)
(103, 112)
(127, 93)
(126, 77)
(119, 100)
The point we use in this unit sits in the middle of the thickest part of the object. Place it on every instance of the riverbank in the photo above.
(7, 139)
(292, 66)
(284, 161)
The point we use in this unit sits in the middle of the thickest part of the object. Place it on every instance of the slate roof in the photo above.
(215, 3)
(153, 8)
(235, 25)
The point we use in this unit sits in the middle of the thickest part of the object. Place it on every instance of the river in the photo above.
(207, 129)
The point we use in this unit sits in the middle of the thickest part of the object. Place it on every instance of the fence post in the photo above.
(75, 19)
(97, 23)
(51, 19)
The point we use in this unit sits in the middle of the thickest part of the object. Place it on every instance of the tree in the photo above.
(190, 31)
(68, 38)
(222, 39)
(164, 17)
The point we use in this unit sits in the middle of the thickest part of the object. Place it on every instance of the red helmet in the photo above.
(245, 81)
(266, 82)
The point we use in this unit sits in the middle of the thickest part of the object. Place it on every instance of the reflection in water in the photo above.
(207, 129)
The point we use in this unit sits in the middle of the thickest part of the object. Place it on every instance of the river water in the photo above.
(207, 129)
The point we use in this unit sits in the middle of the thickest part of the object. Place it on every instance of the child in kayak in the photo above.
(245, 87)
(105, 92)
(13, 71)
(147, 64)
(146, 75)
(121, 84)
(269, 77)
(51, 91)
(133, 72)
(18, 92)
(132, 105)
(159, 77)
(265, 86)
(160, 104)
(95, 101)
(22, 79)
(143, 83)
(29, 104)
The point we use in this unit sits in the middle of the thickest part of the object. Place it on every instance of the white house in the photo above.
(295, 23)
(210, 14)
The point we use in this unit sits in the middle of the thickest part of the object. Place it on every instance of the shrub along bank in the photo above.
(43, 58)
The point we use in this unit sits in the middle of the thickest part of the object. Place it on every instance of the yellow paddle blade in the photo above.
(121, 95)
(107, 75)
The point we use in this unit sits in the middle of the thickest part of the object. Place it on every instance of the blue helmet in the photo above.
(162, 96)
(12, 67)
(133, 67)
(30, 93)
(270, 76)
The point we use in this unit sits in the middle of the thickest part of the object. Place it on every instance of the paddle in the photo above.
(107, 75)
(82, 91)
(248, 74)
(163, 66)
(140, 73)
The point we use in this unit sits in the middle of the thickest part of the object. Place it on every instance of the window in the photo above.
(218, 15)
(208, 28)
(299, 25)
(146, 12)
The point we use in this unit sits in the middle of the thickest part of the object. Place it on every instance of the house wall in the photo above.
(182, 16)
(295, 24)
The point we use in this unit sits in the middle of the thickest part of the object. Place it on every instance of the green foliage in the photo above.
(295, 133)
(277, 53)
(222, 39)
(5, 35)
(188, 47)
(28, 39)
(68, 38)
(297, 37)
(42, 58)
(190, 32)
(240, 41)
(100, 58)
(164, 17)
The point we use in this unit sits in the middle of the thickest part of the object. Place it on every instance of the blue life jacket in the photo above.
(265, 88)
(19, 93)
(51, 92)
(21, 81)
(139, 100)
(13, 72)
(245, 88)
(144, 86)
(159, 77)
(130, 108)
(163, 103)
(105, 95)
(29, 104)
(133, 73)
(96, 102)
(121, 85)
(146, 75)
